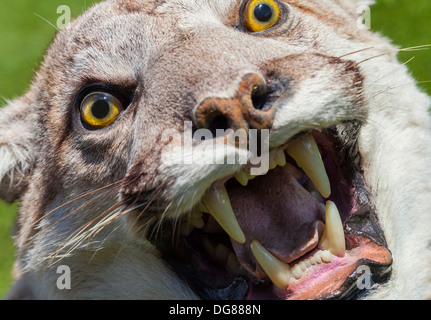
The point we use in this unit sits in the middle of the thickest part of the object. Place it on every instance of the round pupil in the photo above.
(100, 109)
(263, 12)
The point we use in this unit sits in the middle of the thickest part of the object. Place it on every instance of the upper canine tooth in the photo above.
(217, 203)
(278, 271)
(333, 236)
(307, 155)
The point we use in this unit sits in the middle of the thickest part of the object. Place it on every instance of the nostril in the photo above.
(218, 122)
(262, 97)
(253, 106)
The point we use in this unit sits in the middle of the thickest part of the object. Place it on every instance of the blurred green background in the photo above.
(26, 31)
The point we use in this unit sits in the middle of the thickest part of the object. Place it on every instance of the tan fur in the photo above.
(174, 54)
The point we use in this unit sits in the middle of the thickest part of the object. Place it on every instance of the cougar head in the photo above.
(219, 149)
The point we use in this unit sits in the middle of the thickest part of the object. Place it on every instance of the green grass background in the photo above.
(24, 36)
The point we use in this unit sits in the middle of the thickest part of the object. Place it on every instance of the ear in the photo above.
(18, 147)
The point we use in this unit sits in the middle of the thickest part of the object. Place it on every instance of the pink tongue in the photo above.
(279, 213)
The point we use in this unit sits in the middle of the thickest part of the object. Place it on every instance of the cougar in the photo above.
(229, 149)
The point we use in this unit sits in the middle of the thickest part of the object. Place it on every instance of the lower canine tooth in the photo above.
(333, 236)
(307, 155)
(217, 203)
(278, 271)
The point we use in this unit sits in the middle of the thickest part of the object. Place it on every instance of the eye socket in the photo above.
(260, 15)
(100, 109)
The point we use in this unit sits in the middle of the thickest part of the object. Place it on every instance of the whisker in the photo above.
(394, 87)
(115, 186)
(33, 224)
(416, 48)
(47, 21)
(109, 218)
(150, 221)
(155, 195)
(114, 215)
(357, 51)
(80, 235)
(408, 49)
(395, 70)
(85, 195)
(123, 182)
(374, 57)
(81, 207)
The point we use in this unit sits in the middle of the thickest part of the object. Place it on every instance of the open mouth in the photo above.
(299, 232)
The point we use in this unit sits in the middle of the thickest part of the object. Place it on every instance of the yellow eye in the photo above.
(260, 15)
(99, 110)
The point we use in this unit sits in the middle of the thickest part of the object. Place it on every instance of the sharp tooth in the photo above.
(218, 204)
(196, 219)
(326, 256)
(272, 164)
(272, 161)
(317, 196)
(186, 228)
(277, 158)
(280, 157)
(317, 258)
(303, 266)
(192, 221)
(232, 265)
(218, 251)
(333, 236)
(208, 245)
(297, 272)
(313, 260)
(307, 155)
(242, 178)
(249, 175)
(221, 252)
(278, 271)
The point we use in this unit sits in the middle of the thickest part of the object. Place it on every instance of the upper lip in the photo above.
(285, 272)
(307, 156)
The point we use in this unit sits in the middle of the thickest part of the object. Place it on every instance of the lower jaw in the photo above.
(335, 277)
(346, 277)
(365, 265)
